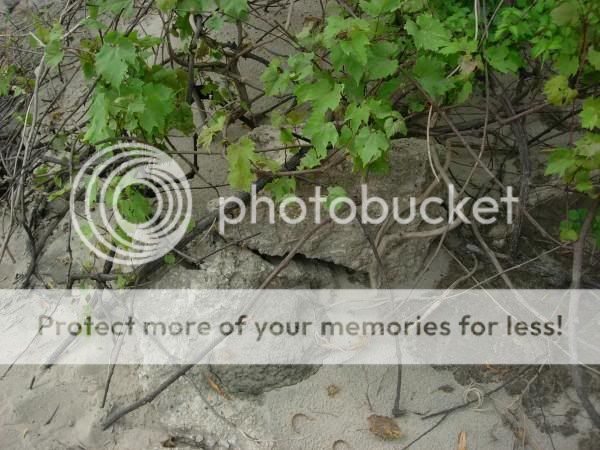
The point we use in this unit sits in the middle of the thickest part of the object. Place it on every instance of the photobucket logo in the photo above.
(370, 209)
(116, 181)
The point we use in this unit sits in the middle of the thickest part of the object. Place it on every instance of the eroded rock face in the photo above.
(240, 268)
(347, 245)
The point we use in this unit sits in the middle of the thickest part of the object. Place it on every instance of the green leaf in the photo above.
(589, 146)
(240, 157)
(321, 133)
(503, 58)
(377, 8)
(594, 58)
(215, 22)
(383, 60)
(93, 188)
(464, 93)
(431, 74)
(567, 64)
(428, 32)
(6, 77)
(281, 187)
(369, 145)
(357, 114)
(558, 92)
(583, 181)
(53, 51)
(356, 45)
(274, 79)
(333, 193)
(114, 57)
(114, 6)
(166, 5)
(98, 128)
(568, 235)
(134, 207)
(590, 115)
(169, 259)
(237, 9)
(312, 159)
(301, 66)
(566, 14)
(560, 161)
(393, 127)
(286, 136)
(158, 100)
(324, 94)
(216, 124)
(122, 281)
(86, 229)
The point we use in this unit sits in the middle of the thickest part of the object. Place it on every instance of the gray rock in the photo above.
(240, 268)
(257, 379)
(346, 245)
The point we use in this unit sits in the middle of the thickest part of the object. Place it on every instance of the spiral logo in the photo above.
(137, 203)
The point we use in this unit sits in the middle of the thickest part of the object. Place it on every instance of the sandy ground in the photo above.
(63, 411)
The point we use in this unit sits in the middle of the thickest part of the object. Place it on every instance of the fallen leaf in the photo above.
(182, 441)
(332, 390)
(169, 443)
(215, 387)
(446, 388)
(462, 441)
(384, 427)
(296, 421)
(497, 370)
(340, 444)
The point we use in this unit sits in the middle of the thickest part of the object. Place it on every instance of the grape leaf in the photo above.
(321, 133)
(393, 126)
(369, 145)
(159, 103)
(560, 161)
(53, 50)
(356, 45)
(333, 193)
(216, 124)
(594, 58)
(428, 32)
(590, 115)
(274, 79)
(566, 14)
(357, 114)
(431, 74)
(503, 59)
(301, 66)
(311, 160)
(281, 187)
(237, 9)
(377, 8)
(113, 58)
(382, 61)
(324, 94)
(558, 92)
(98, 129)
(169, 259)
(240, 156)
(166, 5)
(6, 77)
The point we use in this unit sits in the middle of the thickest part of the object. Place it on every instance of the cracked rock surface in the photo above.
(346, 245)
